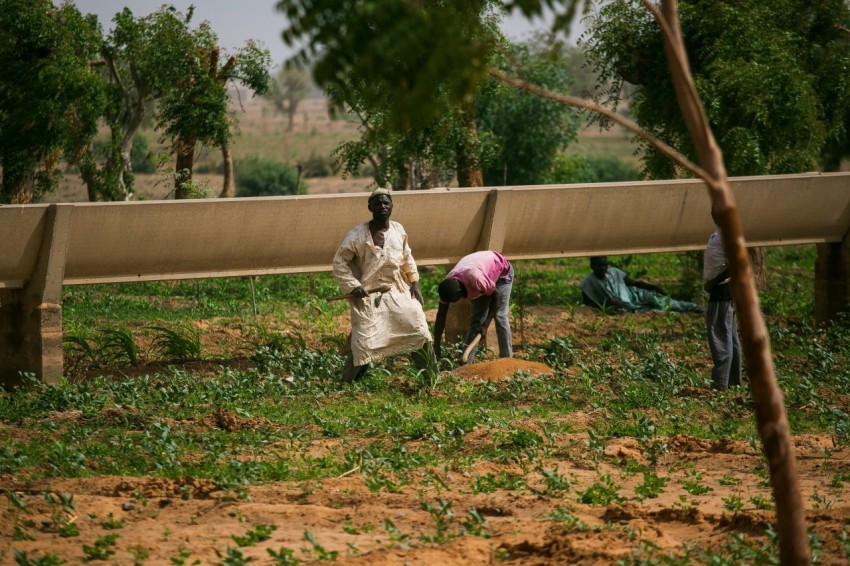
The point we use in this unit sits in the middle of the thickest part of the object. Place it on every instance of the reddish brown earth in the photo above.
(163, 516)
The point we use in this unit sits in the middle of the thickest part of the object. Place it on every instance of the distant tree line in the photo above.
(62, 78)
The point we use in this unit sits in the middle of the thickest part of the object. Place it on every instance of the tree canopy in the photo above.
(50, 95)
(60, 78)
(530, 131)
(287, 89)
(772, 77)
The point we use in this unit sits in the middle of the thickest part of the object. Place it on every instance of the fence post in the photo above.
(31, 317)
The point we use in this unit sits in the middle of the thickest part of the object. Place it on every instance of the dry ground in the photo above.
(183, 520)
(163, 518)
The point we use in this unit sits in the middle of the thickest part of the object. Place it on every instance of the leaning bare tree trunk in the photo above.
(229, 188)
(770, 409)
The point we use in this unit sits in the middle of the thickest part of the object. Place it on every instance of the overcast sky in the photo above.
(235, 21)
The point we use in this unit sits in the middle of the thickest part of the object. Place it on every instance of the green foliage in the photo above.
(575, 168)
(652, 486)
(258, 534)
(283, 556)
(232, 557)
(386, 43)
(102, 548)
(176, 344)
(260, 177)
(637, 377)
(160, 59)
(602, 492)
(413, 158)
(530, 130)
(321, 552)
(766, 75)
(51, 97)
(111, 523)
(317, 166)
(47, 559)
(140, 155)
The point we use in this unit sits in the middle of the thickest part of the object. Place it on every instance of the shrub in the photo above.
(317, 166)
(140, 155)
(574, 168)
(259, 177)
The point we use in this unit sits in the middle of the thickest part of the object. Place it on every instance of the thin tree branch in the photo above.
(576, 102)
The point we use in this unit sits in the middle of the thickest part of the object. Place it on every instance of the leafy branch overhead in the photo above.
(416, 65)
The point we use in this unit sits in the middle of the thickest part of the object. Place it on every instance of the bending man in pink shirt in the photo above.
(486, 279)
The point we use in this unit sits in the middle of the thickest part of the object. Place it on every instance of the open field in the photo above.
(262, 133)
(598, 444)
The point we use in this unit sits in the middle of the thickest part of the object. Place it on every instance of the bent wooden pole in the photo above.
(769, 406)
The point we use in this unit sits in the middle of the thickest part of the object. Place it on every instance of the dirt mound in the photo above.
(502, 368)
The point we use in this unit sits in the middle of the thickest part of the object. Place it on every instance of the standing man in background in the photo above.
(376, 255)
(720, 320)
(486, 279)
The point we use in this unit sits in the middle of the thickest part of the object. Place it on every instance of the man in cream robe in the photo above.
(376, 255)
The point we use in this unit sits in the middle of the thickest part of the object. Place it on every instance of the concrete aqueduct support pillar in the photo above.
(832, 280)
(31, 317)
(492, 238)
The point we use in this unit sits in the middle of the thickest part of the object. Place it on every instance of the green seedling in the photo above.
(321, 552)
(111, 523)
(603, 492)
(571, 522)
(283, 556)
(233, 557)
(733, 503)
(475, 524)
(48, 559)
(102, 549)
(652, 486)
(442, 514)
(258, 534)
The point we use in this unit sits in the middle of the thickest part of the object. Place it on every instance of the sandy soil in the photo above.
(163, 516)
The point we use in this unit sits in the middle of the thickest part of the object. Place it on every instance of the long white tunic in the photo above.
(381, 324)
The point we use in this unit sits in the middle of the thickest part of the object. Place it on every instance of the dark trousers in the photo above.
(724, 344)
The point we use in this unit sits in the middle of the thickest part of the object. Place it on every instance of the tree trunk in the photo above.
(290, 113)
(468, 166)
(17, 190)
(229, 188)
(758, 260)
(88, 172)
(183, 169)
(771, 419)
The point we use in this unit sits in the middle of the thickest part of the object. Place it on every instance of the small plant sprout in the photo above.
(319, 550)
(475, 524)
(733, 503)
(652, 486)
(443, 515)
(603, 492)
(252, 536)
(283, 557)
(102, 549)
(48, 559)
(112, 523)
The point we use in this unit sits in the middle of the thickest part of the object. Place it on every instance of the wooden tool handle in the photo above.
(381, 289)
(469, 348)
